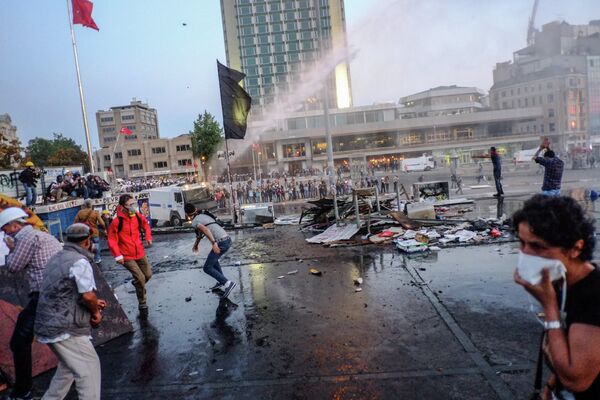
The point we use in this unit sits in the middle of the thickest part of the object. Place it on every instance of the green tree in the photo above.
(56, 152)
(10, 152)
(206, 137)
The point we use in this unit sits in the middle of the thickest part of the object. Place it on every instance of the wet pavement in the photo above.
(446, 325)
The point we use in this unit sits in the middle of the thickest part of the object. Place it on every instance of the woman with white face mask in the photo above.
(556, 229)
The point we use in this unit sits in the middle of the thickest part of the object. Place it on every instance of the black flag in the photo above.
(234, 101)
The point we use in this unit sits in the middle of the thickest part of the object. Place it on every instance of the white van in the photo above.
(423, 163)
(166, 203)
(524, 156)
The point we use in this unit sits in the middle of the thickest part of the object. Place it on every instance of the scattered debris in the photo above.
(193, 373)
(188, 299)
(237, 263)
(358, 289)
(358, 281)
(293, 272)
(281, 277)
(315, 272)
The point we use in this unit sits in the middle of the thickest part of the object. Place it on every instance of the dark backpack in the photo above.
(140, 226)
(214, 217)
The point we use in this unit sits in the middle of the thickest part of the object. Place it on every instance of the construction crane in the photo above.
(531, 27)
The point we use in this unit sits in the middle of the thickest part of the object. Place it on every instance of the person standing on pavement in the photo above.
(125, 243)
(67, 309)
(205, 225)
(30, 250)
(90, 217)
(553, 169)
(558, 229)
(28, 178)
(497, 168)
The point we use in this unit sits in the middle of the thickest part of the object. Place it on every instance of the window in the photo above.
(178, 197)
(184, 162)
(550, 112)
(107, 119)
(550, 98)
(160, 164)
(134, 152)
(158, 150)
(183, 147)
(118, 155)
(107, 157)
(130, 137)
(109, 129)
(294, 150)
(135, 167)
(127, 117)
(551, 127)
(109, 139)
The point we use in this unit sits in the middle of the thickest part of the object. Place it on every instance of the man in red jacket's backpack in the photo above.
(125, 243)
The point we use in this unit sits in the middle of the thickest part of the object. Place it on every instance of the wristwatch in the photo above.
(552, 325)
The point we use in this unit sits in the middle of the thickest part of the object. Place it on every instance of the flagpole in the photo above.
(112, 157)
(83, 111)
(233, 196)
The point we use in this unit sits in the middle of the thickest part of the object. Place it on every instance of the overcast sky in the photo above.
(143, 50)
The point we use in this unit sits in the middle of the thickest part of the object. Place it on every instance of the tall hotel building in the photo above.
(271, 41)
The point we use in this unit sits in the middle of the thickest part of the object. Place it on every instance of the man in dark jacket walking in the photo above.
(125, 244)
(67, 308)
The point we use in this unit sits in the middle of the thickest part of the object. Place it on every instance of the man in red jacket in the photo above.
(125, 243)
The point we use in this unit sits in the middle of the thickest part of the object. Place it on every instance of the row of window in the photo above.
(342, 119)
(279, 48)
(156, 164)
(245, 6)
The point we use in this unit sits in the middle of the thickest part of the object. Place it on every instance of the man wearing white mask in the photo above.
(555, 232)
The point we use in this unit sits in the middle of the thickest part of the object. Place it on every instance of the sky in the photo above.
(143, 50)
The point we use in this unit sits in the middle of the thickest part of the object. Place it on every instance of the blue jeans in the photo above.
(553, 192)
(96, 242)
(212, 266)
(498, 182)
(31, 195)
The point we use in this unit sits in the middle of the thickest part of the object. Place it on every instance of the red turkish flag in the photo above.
(125, 131)
(82, 13)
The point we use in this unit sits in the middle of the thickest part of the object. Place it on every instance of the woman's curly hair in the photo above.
(559, 221)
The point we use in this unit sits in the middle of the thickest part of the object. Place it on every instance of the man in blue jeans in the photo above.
(28, 178)
(205, 224)
(553, 169)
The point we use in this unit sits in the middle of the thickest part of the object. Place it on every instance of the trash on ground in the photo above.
(315, 272)
(411, 246)
(358, 281)
(293, 272)
(281, 277)
(358, 289)
(188, 299)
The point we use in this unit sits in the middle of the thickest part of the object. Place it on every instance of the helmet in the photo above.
(11, 214)
(29, 164)
(105, 212)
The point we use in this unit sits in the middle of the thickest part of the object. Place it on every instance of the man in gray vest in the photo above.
(67, 308)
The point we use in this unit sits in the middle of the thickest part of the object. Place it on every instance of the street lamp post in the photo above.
(325, 96)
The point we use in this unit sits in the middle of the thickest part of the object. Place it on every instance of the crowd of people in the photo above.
(139, 184)
(63, 306)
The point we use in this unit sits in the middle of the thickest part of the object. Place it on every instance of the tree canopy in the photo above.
(206, 137)
(10, 152)
(56, 152)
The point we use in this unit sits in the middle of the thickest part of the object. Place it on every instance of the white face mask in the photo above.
(530, 268)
